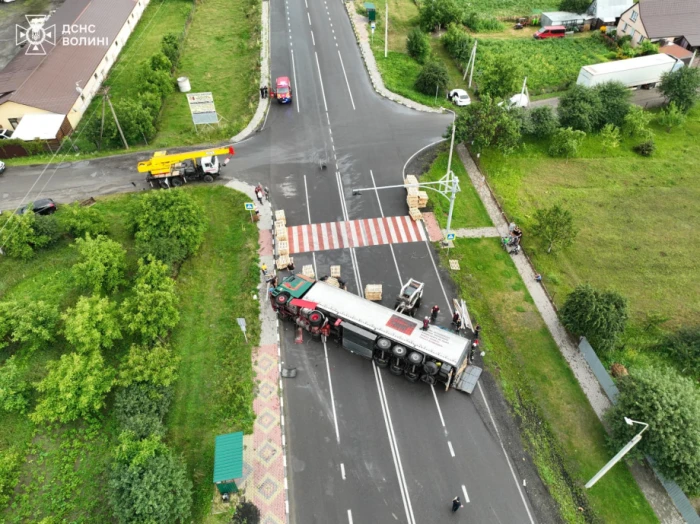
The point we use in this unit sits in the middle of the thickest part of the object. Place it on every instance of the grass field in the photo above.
(559, 427)
(64, 471)
(468, 209)
(509, 8)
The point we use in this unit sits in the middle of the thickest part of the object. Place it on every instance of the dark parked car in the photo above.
(43, 206)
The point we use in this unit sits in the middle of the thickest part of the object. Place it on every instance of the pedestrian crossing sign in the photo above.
(450, 236)
(249, 206)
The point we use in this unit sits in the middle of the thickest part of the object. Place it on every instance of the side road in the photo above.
(647, 98)
(653, 490)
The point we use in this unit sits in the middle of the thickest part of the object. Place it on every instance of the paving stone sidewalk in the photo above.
(653, 490)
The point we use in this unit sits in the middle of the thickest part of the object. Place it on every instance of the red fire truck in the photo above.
(282, 90)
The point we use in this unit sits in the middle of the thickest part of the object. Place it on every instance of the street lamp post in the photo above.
(453, 179)
(620, 454)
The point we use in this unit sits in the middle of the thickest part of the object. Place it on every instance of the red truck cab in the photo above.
(283, 90)
(550, 31)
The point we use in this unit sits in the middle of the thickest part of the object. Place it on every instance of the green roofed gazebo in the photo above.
(228, 462)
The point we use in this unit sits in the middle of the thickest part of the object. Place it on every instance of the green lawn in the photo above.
(468, 209)
(64, 472)
(509, 8)
(559, 427)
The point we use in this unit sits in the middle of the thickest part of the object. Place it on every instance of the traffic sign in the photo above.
(249, 206)
(450, 236)
(373, 26)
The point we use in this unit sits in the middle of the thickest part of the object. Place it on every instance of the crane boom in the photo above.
(162, 162)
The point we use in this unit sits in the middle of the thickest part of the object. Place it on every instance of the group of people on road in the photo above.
(261, 192)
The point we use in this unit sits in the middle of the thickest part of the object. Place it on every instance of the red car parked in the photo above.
(550, 31)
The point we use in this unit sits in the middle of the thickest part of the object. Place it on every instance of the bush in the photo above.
(170, 45)
(10, 464)
(500, 76)
(432, 78)
(141, 408)
(600, 316)
(615, 102)
(160, 62)
(102, 264)
(155, 365)
(135, 120)
(671, 116)
(49, 228)
(555, 226)
(681, 87)
(31, 323)
(542, 122)
(646, 148)
(157, 82)
(246, 513)
(636, 122)
(480, 24)
(75, 387)
(418, 45)
(670, 404)
(610, 135)
(19, 237)
(167, 217)
(575, 6)
(565, 142)
(80, 220)
(13, 390)
(486, 124)
(683, 347)
(647, 48)
(580, 108)
(438, 13)
(457, 43)
(92, 324)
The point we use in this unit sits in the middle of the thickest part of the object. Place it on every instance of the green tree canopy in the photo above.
(14, 389)
(683, 346)
(565, 142)
(432, 78)
(435, 14)
(615, 101)
(457, 43)
(141, 408)
(600, 316)
(155, 365)
(575, 6)
(500, 76)
(486, 124)
(670, 404)
(580, 108)
(681, 87)
(19, 236)
(555, 226)
(101, 265)
(542, 122)
(30, 323)
(92, 324)
(636, 123)
(418, 45)
(82, 220)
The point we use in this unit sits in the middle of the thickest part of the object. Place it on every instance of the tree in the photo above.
(683, 346)
(600, 316)
(648, 48)
(92, 324)
(580, 108)
(670, 404)
(13, 389)
(136, 121)
(681, 87)
(173, 217)
(555, 225)
(432, 78)
(31, 323)
(81, 220)
(141, 408)
(500, 76)
(457, 43)
(170, 45)
(155, 365)
(18, 237)
(148, 484)
(48, 228)
(246, 513)
(75, 387)
(102, 263)
(486, 124)
(151, 310)
(543, 122)
(435, 14)
(158, 82)
(575, 6)
(637, 123)
(610, 134)
(615, 101)
(418, 45)
(671, 116)
(11, 461)
(160, 62)
(565, 142)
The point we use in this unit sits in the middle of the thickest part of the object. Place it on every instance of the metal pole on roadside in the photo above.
(452, 180)
(437, 86)
(386, 30)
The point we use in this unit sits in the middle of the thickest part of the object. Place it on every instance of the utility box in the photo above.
(371, 11)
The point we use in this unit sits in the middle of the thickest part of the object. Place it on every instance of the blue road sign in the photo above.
(249, 206)
(450, 236)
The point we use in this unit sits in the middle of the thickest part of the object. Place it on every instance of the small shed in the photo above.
(609, 11)
(371, 11)
(676, 51)
(565, 18)
(228, 462)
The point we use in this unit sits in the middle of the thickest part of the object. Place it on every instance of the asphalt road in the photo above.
(647, 98)
(364, 446)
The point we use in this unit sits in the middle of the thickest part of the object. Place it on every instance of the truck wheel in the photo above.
(428, 379)
(163, 184)
(176, 181)
(415, 358)
(430, 368)
(411, 377)
(208, 178)
(383, 344)
(282, 299)
(316, 318)
(399, 351)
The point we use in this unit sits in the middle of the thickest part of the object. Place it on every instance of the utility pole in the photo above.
(116, 120)
(386, 30)
(470, 65)
(452, 180)
(102, 124)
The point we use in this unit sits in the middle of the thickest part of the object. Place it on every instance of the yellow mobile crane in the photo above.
(174, 170)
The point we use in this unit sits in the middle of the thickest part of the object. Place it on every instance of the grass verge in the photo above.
(563, 434)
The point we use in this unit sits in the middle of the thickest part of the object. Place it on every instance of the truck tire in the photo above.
(163, 183)
(282, 299)
(415, 358)
(208, 178)
(399, 351)
(428, 379)
(176, 181)
(412, 377)
(384, 344)
(430, 368)
(316, 318)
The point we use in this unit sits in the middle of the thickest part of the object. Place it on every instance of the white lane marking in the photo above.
(399, 223)
(328, 118)
(363, 232)
(391, 248)
(305, 236)
(372, 231)
(323, 91)
(452, 451)
(403, 173)
(342, 470)
(444, 293)
(512, 472)
(466, 497)
(313, 256)
(295, 238)
(392, 233)
(438, 405)
(312, 37)
(376, 193)
(324, 235)
(334, 235)
(353, 256)
(296, 85)
(350, 516)
(308, 15)
(421, 231)
(409, 227)
(343, 233)
(382, 231)
(314, 236)
(330, 385)
(306, 4)
(352, 100)
(353, 233)
(308, 208)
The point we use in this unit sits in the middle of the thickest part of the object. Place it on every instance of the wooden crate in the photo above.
(422, 198)
(283, 248)
(412, 201)
(331, 281)
(279, 216)
(335, 271)
(415, 214)
(373, 291)
(413, 191)
(283, 261)
(410, 179)
(280, 232)
(308, 271)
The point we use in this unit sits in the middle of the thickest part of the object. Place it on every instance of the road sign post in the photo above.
(249, 207)
(450, 238)
(241, 323)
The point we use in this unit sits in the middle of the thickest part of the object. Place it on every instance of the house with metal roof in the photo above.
(63, 57)
(673, 21)
(608, 11)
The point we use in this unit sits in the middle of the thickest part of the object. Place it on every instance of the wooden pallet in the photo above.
(335, 271)
(308, 271)
(410, 179)
(412, 191)
(373, 291)
(280, 230)
(279, 216)
(283, 261)
(331, 281)
(412, 201)
(422, 198)
(283, 248)
(415, 214)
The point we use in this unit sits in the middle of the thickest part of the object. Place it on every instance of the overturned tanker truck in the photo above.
(393, 340)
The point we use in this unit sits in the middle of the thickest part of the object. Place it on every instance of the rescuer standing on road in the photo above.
(426, 323)
(456, 504)
(434, 312)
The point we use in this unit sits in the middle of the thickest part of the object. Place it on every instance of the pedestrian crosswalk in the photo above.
(354, 233)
